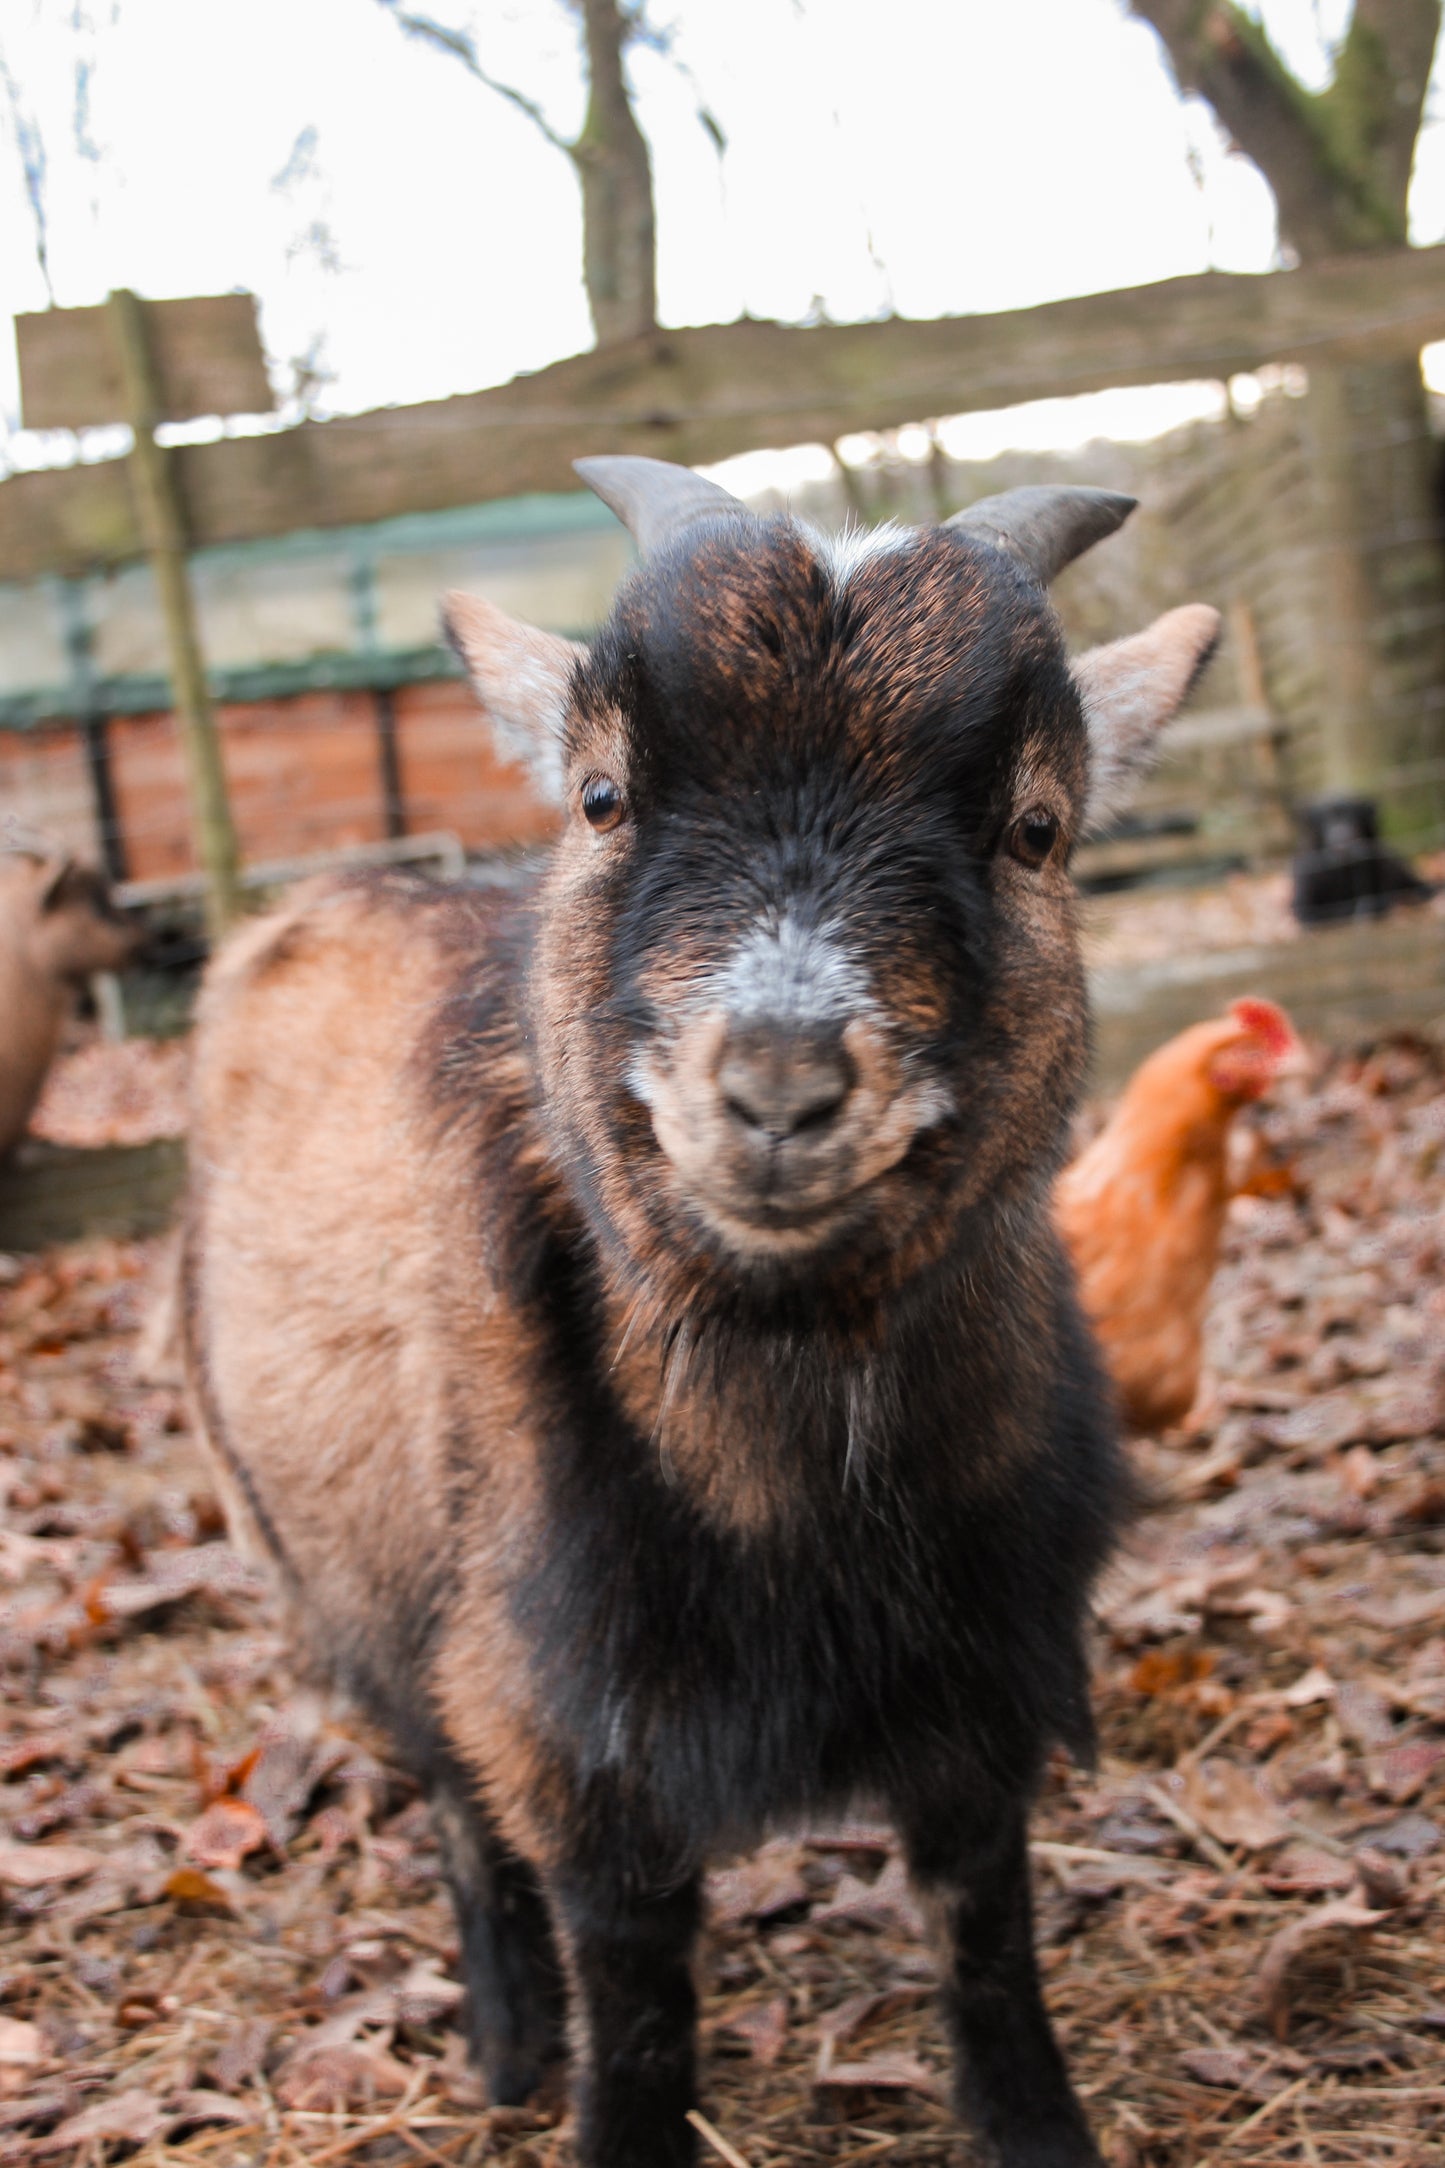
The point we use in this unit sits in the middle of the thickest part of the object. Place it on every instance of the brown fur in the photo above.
(649, 1470)
(56, 928)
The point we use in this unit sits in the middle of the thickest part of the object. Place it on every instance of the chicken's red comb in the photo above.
(1266, 1023)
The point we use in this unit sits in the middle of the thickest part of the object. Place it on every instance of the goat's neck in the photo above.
(755, 1420)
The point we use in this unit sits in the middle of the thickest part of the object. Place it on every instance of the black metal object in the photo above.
(393, 796)
(1343, 869)
(96, 734)
(92, 716)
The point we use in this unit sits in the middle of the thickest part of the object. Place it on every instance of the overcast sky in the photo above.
(928, 156)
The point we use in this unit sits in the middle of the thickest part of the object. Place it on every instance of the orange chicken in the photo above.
(1142, 1209)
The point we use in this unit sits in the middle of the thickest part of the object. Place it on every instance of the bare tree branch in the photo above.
(1338, 162)
(460, 46)
(610, 158)
(1377, 99)
(33, 166)
(619, 238)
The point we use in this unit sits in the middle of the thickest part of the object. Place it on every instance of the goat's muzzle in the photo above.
(774, 1127)
(785, 1088)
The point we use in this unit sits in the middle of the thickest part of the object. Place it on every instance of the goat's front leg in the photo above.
(969, 1862)
(509, 1960)
(629, 1957)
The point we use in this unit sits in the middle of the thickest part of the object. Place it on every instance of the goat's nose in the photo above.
(781, 1082)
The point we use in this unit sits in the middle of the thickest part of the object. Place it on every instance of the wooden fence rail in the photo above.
(707, 392)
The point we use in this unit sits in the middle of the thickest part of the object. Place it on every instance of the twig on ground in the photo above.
(720, 2145)
(1195, 1831)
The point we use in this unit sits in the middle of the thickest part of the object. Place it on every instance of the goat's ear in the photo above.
(59, 883)
(521, 676)
(1129, 690)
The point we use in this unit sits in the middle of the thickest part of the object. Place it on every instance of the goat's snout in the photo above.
(782, 1083)
(775, 1124)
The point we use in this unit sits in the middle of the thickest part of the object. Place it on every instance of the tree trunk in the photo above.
(610, 158)
(1339, 163)
(1376, 468)
(615, 173)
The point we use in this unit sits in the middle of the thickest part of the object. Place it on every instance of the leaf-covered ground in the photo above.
(222, 1938)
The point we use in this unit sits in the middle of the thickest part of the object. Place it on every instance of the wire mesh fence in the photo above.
(309, 775)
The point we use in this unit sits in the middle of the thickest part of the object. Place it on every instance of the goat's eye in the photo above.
(601, 802)
(1033, 835)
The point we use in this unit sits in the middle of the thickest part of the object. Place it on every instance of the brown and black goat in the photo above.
(57, 926)
(627, 1311)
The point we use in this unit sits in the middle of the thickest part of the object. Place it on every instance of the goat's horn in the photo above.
(1045, 527)
(653, 498)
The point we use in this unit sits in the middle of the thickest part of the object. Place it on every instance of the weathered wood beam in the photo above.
(161, 520)
(205, 354)
(704, 393)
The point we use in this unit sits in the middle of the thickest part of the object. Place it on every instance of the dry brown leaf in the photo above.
(192, 1886)
(1164, 1671)
(198, 2104)
(770, 1882)
(227, 1831)
(359, 2013)
(457, 2076)
(881, 2073)
(334, 2078)
(37, 2104)
(1384, 1881)
(206, 1569)
(424, 1995)
(1409, 1836)
(1171, 1598)
(1233, 2069)
(1402, 1607)
(838, 2024)
(1364, 1714)
(853, 1836)
(224, 1780)
(763, 2027)
(21, 1554)
(21, 2042)
(888, 1902)
(1403, 1772)
(1321, 1925)
(31, 1866)
(241, 2054)
(1301, 1870)
(1322, 1426)
(18, 1756)
(287, 1766)
(1230, 1804)
(1312, 1686)
(132, 2117)
(1408, 1410)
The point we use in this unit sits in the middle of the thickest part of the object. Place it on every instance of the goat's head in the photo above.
(66, 919)
(807, 986)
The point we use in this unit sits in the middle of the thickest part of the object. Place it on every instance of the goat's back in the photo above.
(315, 1280)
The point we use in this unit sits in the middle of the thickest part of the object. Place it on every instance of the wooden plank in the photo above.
(53, 1193)
(67, 519)
(1221, 726)
(163, 527)
(703, 393)
(1343, 985)
(207, 353)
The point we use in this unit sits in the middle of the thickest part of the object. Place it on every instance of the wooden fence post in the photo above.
(1381, 591)
(162, 525)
